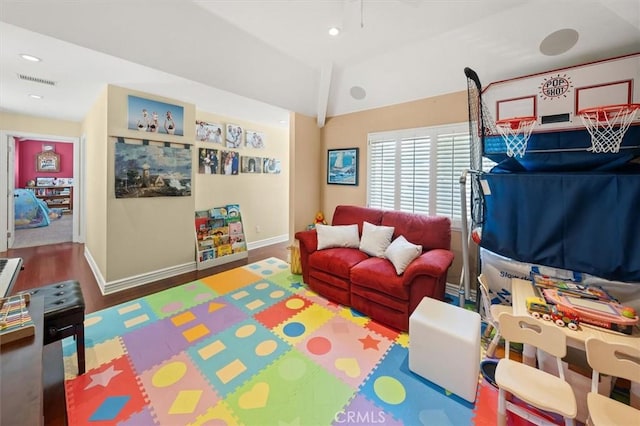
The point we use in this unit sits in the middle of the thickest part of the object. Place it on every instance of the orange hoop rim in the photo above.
(606, 109)
(515, 122)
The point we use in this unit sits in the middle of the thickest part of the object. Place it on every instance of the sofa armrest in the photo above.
(434, 263)
(308, 240)
(308, 244)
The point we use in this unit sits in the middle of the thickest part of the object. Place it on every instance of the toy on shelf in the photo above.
(539, 308)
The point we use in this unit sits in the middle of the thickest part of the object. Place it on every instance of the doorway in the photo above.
(42, 173)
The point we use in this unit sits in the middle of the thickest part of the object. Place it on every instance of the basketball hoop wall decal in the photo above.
(607, 125)
(516, 132)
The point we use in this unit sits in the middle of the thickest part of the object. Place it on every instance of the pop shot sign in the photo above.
(555, 87)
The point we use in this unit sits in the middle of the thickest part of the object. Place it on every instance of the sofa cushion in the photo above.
(430, 232)
(336, 261)
(337, 236)
(401, 253)
(346, 215)
(380, 276)
(375, 239)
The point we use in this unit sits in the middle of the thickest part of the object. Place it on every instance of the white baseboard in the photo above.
(136, 280)
(149, 277)
(267, 242)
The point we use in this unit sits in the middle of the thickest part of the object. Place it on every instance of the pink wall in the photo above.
(25, 164)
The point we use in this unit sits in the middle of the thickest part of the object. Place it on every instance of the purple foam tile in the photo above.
(361, 411)
(142, 418)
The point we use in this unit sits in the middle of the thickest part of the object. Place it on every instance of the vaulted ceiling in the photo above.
(260, 59)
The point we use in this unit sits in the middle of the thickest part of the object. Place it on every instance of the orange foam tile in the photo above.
(231, 280)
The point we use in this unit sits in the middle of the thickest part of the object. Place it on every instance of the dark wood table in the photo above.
(21, 375)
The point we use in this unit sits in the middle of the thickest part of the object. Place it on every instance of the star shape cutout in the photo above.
(103, 379)
(369, 342)
(296, 285)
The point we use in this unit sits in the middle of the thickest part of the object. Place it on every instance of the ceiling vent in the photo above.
(36, 80)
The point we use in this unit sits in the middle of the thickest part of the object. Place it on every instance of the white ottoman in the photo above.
(444, 346)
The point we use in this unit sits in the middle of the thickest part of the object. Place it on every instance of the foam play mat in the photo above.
(252, 346)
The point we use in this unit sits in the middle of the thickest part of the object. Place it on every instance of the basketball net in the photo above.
(516, 132)
(607, 125)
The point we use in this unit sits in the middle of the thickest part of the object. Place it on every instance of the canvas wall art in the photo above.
(271, 165)
(229, 162)
(251, 164)
(208, 161)
(234, 136)
(147, 115)
(209, 132)
(254, 139)
(152, 170)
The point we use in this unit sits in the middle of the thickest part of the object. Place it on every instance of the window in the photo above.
(418, 170)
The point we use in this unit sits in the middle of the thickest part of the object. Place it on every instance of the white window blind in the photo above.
(418, 170)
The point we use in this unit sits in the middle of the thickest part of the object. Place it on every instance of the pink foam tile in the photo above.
(345, 349)
(177, 392)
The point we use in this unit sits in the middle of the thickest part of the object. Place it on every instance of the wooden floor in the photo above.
(59, 262)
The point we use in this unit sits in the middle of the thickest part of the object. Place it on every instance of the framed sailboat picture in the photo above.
(342, 166)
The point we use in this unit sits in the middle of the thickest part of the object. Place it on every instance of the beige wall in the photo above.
(306, 171)
(43, 126)
(263, 198)
(94, 129)
(351, 130)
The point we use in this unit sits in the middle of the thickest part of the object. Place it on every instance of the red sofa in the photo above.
(370, 284)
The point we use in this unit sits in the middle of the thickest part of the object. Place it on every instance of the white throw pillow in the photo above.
(337, 236)
(401, 253)
(375, 239)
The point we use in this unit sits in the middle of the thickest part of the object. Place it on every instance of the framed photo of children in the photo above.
(342, 166)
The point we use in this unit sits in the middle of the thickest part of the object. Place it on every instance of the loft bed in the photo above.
(559, 205)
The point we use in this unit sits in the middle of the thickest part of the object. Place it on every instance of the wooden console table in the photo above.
(21, 374)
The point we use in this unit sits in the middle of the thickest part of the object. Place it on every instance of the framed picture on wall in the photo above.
(342, 166)
(48, 161)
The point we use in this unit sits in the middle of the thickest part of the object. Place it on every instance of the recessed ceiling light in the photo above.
(334, 31)
(32, 96)
(283, 121)
(30, 58)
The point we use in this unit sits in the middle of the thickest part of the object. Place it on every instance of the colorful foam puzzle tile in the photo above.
(109, 393)
(362, 412)
(177, 391)
(345, 349)
(230, 358)
(410, 398)
(292, 390)
(257, 296)
(302, 324)
(268, 267)
(282, 311)
(171, 301)
(117, 321)
(230, 280)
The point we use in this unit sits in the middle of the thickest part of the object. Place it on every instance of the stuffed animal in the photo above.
(320, 219)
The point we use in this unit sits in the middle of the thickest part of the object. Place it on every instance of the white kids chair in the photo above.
(533, 386)
(491, 314)
(617, 360)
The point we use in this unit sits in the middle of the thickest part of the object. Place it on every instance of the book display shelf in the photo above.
(219, 236)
